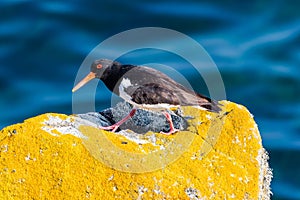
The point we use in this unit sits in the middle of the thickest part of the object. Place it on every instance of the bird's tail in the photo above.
(210, 104)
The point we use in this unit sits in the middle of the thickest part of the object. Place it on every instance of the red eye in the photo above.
(99, 66)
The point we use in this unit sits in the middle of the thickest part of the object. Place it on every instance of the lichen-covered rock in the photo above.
(54, 156)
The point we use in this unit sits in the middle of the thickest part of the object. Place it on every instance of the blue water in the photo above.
(255, 44)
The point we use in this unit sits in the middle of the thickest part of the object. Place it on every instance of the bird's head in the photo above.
(97, 70)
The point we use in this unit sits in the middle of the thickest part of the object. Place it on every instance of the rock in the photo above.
(55, 156)
(142, 122)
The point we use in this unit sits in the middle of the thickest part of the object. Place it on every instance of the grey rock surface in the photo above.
(142, 122)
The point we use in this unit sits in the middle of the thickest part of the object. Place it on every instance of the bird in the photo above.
(145, 88)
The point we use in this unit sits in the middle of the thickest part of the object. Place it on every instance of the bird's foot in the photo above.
(170, 132)
(172, 129)
(113, 128)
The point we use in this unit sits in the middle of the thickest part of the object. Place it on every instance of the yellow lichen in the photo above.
(214, 159)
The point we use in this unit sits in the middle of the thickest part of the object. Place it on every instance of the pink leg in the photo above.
(115, 126)
(172, 129)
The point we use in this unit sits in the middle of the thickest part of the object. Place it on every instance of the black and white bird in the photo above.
(145, 88)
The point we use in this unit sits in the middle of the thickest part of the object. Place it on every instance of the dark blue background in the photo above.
(255, 44)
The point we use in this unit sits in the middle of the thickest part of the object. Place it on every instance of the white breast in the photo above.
(125, 83)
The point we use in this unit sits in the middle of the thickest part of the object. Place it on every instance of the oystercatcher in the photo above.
(145, 88)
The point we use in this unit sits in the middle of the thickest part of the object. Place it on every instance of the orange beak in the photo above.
(89, 77)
